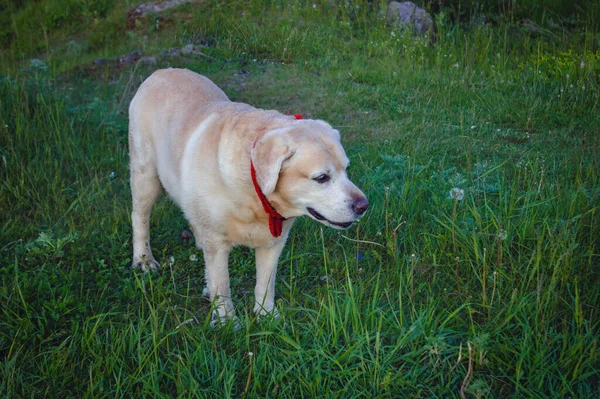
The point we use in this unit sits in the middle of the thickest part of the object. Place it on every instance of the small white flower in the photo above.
(456, 65)
(502, 235)
(314, 6)
(582, 65)
(457, 194)
(473, 127)
(193, 258)
(582, 88)
(568, 76)
(171, 260)
(112, 175)
(36, 63)
(393, 34)
(250, 354)
(497, 130)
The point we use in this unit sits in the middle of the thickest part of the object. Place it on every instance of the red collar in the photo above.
(275, 219)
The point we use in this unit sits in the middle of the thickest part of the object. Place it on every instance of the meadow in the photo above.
(474, 274)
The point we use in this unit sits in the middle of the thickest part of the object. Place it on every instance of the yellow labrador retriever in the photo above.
(240, 174)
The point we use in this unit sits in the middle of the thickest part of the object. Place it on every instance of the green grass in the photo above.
(493, 295)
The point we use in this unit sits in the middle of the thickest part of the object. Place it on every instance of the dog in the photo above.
(241, 176)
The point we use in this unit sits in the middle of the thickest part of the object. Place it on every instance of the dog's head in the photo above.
(301, 169)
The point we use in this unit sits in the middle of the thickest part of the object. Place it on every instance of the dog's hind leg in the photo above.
(145, 189)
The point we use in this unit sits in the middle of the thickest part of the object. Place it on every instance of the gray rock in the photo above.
(408, 15)
(149, 60)
(171, 53)
(188, 49)
(156, 7)
(530, 26)
(130, 58)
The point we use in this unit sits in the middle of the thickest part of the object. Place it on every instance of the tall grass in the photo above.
(474, 274)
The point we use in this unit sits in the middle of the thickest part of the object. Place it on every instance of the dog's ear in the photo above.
(330, 130)
(269, 153)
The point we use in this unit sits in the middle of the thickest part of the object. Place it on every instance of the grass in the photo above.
(494, 294)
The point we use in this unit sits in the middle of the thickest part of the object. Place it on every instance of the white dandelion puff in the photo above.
(457, 194)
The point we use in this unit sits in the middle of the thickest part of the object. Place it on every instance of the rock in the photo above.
(130, 58)
(530, 26)
(188, 49)
(408, 15)
(149, 60)
(171, 53)
(155, 7)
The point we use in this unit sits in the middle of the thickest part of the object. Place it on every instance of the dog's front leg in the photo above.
(217, 282)
(266, 270)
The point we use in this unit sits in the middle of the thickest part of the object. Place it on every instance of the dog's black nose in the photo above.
(360, 205)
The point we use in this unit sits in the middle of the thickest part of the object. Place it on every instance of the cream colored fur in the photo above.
(188, 138)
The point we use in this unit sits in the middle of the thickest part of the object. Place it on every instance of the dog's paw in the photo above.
(223, 321)
(146, 264)
(261, 312)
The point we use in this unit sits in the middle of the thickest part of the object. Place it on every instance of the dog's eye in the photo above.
(322, 179)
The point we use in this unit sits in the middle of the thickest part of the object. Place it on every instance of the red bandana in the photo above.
(275, 219)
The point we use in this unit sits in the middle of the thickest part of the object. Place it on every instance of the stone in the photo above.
(188, 49)
(149, 60)
(155, 7)
(130, 58)
(408, 15)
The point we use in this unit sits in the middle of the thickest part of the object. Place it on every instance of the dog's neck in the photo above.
(275, 219)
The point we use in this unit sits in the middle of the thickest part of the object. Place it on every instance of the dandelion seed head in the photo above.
(193, 258)
(457, 194)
